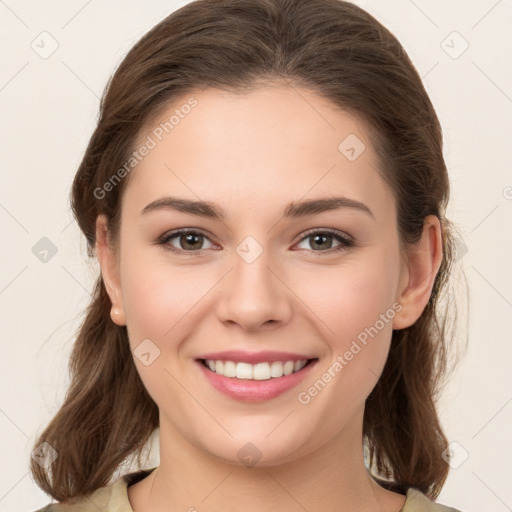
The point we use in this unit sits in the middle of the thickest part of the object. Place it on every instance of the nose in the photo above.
(254, 294)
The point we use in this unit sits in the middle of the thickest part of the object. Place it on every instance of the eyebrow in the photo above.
(293, 209)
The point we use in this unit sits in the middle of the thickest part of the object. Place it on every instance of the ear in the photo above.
(418, 273)
(109, 270)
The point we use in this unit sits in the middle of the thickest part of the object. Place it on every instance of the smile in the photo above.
(259, 371)
(258, 382)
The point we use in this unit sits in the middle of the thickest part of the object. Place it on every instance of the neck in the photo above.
(333, 478)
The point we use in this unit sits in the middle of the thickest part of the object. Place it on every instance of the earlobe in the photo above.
(117, 316)
(424, 260)
(109, 270)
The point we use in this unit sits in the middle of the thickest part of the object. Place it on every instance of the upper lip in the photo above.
(241, 356)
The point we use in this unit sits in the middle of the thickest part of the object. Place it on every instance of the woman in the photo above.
(234, 141)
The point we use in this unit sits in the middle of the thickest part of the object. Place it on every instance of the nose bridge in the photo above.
(253, 294)
(252, 264)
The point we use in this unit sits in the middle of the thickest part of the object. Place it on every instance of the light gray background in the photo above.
(48, 111)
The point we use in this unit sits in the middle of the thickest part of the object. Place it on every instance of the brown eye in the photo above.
(190, 241)
(187, 241)
(322, 241)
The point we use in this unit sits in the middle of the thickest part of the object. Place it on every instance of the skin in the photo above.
(253, 154)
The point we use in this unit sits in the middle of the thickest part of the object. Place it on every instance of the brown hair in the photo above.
(342, 53)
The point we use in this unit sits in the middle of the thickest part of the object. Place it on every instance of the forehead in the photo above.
(271, 144)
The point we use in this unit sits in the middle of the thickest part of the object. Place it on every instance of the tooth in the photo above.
(288, 367)
(276, 369)
(244, 371)
(261, 371)
(229, 369)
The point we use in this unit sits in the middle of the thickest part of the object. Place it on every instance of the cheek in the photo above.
(358, 312)
(155, 300)
(353, 297)
(357, 306)
(159, 297)
(162, 300)
(159, 305)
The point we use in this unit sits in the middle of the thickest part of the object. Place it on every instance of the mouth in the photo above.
(259, 371)
(257, 382)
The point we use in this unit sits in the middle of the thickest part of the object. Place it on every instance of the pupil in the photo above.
(189, 239)
(316, 237)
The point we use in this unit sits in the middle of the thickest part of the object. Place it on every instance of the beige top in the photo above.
(114, 498)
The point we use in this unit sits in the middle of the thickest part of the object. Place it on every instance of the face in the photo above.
(320, 283)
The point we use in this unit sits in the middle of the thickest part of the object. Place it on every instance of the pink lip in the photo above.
(240, 356)
(254, 390)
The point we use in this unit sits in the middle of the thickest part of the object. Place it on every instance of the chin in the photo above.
(258, 451)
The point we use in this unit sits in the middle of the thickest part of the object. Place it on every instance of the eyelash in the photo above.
(346, 242)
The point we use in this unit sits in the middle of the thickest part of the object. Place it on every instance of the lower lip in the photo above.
(255, 390)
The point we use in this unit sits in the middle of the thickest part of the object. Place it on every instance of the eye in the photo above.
(191, 241)
(323, 239)
(188, 240)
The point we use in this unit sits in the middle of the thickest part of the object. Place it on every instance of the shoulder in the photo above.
(416, 501)
(111, 498)
(100, 500)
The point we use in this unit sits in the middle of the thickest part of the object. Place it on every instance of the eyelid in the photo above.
(330, 231)
(164, 239)
(346, 240)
